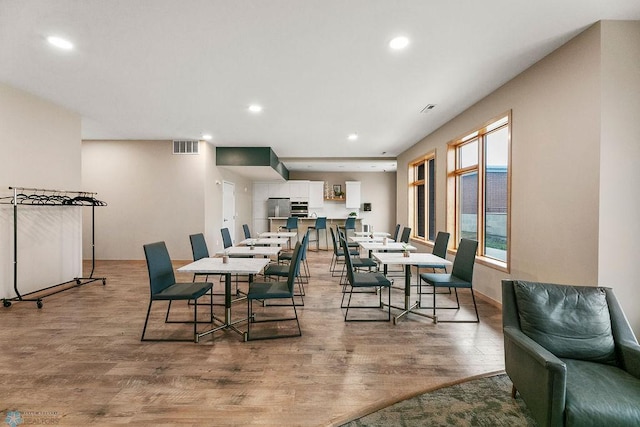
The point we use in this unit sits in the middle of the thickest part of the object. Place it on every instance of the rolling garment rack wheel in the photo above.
(39, 303)
(6, 303)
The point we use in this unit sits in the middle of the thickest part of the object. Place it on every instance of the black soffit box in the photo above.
(256, 163)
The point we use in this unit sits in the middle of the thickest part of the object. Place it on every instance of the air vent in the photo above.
(185, 147)
(428, 108)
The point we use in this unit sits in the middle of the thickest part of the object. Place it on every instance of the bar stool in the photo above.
(321, 224)
(349, 224)
(292, 224)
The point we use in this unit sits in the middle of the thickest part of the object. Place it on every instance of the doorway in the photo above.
(229, 208)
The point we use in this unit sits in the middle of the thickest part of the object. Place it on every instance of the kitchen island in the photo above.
(305, 222)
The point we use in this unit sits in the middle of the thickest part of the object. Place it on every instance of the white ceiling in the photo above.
(322, 69)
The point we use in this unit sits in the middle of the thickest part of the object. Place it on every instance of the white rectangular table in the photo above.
(251, 251)
(421, 259)
(249, 266)
(262, 241)
(389, 247)
(374, 239)
(281, 234)
(375, 233)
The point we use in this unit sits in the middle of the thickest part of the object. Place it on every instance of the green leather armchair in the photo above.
(571, 354)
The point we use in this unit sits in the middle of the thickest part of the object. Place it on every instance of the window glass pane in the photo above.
(468, 200)
(421, 212)
(497, 148)
(432, 200)
(468, 154)
(420, 172)
(498, 123)
(495, 222)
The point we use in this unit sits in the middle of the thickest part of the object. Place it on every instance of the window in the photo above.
(478, 189)
(422, 197)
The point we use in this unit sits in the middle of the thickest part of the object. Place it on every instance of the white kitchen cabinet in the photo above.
(279, 189)
(353, 194)
(316, 194)
(299, 190)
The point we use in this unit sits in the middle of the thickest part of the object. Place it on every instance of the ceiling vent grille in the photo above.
(185, 147)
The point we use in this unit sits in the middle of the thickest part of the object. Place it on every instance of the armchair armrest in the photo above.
(630, 354)
(538, 375)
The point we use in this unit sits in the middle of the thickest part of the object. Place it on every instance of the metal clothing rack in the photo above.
(48, 198)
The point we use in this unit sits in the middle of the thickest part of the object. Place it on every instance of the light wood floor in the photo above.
(79, 359)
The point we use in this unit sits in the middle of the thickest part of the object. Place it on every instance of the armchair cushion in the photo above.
(618, 394)
(571, 322)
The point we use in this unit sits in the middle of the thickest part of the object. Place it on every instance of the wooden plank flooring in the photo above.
(79, 359)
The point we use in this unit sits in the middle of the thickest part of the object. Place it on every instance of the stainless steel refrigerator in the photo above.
(278, 207)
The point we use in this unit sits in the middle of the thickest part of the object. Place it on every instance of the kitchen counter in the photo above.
(305, 222)
(307, 218)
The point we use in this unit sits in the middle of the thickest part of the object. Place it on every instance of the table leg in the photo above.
(226, 324)
(408, 307)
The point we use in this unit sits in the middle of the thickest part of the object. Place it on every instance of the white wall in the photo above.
(377, 188)
(574, 207)
(152, 195)
(155, 195)
(40, 144)
(555, 152)
(619, 156)
(213, 202)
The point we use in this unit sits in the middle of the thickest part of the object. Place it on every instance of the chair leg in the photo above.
(251, 319)
(435, 317)
(344, 292)
(247, 335)
(301, 288)
(389, 303)
(335, 267)
(166, 319)
(513, 391)
(475, 306)
(380, 305)
(146, 320)
(195, 322)
(295, 312)
(348, 305)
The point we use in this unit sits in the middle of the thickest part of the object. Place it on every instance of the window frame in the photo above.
(453, 175)
(429, 186)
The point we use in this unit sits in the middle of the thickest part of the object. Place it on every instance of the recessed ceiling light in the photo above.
(352, 136)
(207, 137)
(255, 108)
(399, 42)
(60, 42)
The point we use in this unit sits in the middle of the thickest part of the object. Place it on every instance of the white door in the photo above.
(229, 208)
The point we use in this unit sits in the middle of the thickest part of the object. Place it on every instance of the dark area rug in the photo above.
(479, 402)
